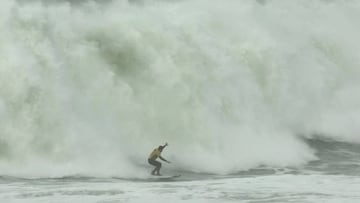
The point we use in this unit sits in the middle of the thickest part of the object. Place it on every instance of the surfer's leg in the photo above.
(153, 171)
(158, 168)
(152, 163)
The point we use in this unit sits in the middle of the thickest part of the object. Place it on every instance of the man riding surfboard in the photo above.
(156, 153)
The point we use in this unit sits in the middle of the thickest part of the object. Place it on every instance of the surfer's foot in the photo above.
(158, 174)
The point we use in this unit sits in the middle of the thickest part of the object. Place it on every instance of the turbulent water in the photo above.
(259, 100)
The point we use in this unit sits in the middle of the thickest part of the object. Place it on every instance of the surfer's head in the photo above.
(162, 147)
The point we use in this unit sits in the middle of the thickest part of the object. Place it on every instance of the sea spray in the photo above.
(92, 88)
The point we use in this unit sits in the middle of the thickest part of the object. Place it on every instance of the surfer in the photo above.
(156, 153)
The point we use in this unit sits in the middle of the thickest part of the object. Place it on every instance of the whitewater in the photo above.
(259, 100)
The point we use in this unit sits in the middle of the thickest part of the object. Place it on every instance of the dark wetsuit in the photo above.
(152, 160)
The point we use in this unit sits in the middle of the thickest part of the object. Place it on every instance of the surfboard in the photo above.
(151, 178)
(164, 177)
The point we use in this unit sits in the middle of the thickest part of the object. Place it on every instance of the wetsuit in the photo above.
(152, 159)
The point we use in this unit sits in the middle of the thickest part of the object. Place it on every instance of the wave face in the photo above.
(92, 87)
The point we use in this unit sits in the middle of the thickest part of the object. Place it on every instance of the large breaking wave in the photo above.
(91, 88)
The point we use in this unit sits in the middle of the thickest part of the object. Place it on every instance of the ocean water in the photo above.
(258, 100)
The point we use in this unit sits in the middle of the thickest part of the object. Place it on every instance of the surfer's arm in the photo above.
(164, 159)
(166, 144)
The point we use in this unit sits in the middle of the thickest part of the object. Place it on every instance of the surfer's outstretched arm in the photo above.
(164, 159)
